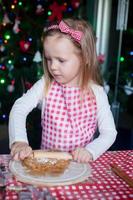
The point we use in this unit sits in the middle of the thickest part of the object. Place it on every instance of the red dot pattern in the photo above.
(102, 185)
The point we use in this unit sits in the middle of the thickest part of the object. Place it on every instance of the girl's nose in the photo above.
(53, 66)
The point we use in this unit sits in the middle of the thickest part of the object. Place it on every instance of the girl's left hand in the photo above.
(81, 155)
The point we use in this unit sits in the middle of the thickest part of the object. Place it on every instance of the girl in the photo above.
(73, 100)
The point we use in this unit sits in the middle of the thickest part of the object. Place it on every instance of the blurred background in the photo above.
(21, 26)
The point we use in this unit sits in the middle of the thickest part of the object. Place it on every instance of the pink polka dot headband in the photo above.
(64, 28)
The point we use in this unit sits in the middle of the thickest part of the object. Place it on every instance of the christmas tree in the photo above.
(21, 26)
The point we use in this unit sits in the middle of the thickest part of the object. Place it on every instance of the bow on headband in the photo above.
(64, 28)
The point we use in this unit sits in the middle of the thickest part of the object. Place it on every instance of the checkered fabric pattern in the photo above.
(68, 122)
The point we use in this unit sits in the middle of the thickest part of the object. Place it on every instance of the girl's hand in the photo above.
(20, 150)
(82, 155)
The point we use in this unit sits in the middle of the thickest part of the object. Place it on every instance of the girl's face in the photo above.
(63, 60)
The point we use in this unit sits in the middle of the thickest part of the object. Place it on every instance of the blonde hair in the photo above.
(86, 47)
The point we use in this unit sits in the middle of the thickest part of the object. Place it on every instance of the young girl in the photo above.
(74, 102)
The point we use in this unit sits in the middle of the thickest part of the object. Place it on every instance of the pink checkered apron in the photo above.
(67, 123)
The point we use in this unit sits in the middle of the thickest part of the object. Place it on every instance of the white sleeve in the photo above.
(21, 108)
(106, 125)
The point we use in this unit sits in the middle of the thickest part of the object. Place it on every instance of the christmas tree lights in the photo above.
(21, 26)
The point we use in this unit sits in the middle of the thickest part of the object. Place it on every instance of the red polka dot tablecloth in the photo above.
(102, 185)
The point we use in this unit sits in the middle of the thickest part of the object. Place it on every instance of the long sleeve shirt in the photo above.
(35, 96)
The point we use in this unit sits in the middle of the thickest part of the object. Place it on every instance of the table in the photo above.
(102, 185)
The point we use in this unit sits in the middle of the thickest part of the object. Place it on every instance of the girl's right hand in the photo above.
(20, 150)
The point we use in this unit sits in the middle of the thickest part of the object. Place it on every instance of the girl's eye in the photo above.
(61, 60)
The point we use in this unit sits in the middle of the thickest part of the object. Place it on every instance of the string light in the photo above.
(3, 67)
(2, 80)
(12, 7)
(5, 41)
(49, 13)
(30, 39)
(15, 1)
(4, 8)
(3, 116)
(13, 82)
(122, 59)
(24, 59)
(69, 9)
(7, 36)
(9, 61)
(20, 3)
